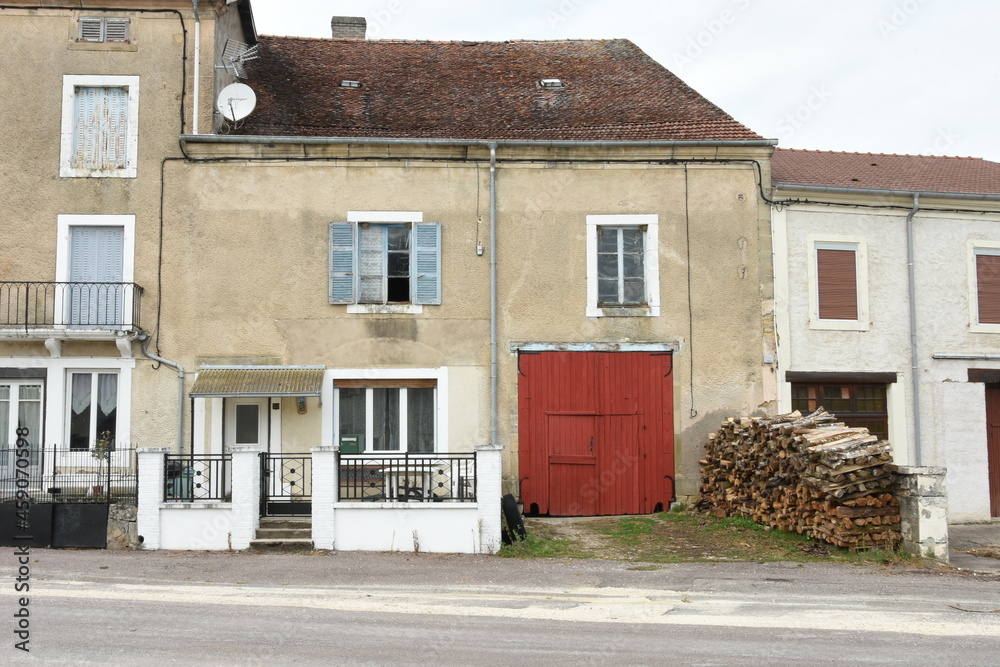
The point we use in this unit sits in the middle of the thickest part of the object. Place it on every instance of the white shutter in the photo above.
(96, 256)
(116, 30)
(91, 29)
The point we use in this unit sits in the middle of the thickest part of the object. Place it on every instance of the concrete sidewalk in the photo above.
(975, 546)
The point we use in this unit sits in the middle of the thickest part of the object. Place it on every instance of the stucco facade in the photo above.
(227, 252)
(948, 339)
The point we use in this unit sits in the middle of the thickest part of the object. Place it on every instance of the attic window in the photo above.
(552, 83)
(98, 29)
(348, 83)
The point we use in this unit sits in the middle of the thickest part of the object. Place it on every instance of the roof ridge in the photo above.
(449, 41)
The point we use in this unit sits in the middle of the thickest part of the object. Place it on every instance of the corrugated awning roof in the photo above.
(218, 381)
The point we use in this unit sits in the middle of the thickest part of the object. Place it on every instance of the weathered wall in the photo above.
(953, 432)
(247, 266)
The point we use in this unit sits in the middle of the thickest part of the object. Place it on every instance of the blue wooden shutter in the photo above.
(426, 278)
(96, 256)
(342, 262)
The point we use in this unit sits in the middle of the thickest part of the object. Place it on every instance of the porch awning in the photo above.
(257, 381)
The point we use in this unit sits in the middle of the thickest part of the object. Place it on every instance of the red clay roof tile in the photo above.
(885, 172)
(476, 90)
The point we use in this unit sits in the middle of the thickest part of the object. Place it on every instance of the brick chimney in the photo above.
(352, 27)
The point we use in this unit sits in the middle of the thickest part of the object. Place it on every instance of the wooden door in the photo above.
(572, 465)
(993, 445)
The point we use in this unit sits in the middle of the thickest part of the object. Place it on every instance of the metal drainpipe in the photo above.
(197, 65)
(914, 356)
(494, 382)
(180, 389)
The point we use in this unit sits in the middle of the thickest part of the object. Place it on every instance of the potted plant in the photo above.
(102, 452)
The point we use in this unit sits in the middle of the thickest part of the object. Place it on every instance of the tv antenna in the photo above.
(235, 55)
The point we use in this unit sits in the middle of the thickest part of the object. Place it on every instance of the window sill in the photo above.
(385, 309)
(976, 327)
(839, 325)
(649, 311)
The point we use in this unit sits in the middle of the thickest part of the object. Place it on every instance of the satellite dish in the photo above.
(236, 101)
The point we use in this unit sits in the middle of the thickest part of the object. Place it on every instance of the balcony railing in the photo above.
(441, 477)
(31, 305)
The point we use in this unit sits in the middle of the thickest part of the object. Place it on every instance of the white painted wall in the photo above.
(953, 410)
(196, 526)
(439, 528)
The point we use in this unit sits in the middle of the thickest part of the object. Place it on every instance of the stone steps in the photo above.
(283, 534)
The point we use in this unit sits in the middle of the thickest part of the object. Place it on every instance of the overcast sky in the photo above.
(882, 76)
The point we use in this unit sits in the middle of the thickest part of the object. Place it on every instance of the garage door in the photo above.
(595, 432)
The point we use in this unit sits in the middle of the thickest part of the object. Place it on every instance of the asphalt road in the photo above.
(102, 607)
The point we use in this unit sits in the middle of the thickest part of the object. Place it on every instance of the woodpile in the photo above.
(811, 475)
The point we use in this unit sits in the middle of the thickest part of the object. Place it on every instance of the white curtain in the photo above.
(107, 392)
(81, 393)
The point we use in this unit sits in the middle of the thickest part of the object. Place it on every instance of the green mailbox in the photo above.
(352, 444)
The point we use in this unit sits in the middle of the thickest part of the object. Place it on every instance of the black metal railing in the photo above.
(83, 305)
(441, 477)
(204, 477)
(64, 475)
(286, 484)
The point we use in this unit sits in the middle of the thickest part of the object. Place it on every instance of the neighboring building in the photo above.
(846, 228)
(96, 99)
(555, 247)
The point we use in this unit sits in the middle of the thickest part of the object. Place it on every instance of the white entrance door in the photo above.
(20, 407)
(246, 421)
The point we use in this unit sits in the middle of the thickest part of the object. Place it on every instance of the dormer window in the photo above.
(552, 83)
(99, 29)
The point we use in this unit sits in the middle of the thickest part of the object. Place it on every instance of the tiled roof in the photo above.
(885, 172)
(476, 90)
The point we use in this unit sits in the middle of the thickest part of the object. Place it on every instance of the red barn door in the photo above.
(595, 432)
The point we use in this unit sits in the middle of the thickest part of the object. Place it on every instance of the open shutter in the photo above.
(837, 275)
(988, 287)
(426, 282)
(342, 262)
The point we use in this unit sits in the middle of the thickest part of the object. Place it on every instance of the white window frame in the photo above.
(440, 375)
(650, 221)
(388, 218)
(70, 83)
(979, 248)
(828, 242)
(64, 223)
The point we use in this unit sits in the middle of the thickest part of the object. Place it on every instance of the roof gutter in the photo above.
(836, 189)
(408, 141)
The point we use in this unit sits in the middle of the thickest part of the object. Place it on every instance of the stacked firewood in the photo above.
(811, 475)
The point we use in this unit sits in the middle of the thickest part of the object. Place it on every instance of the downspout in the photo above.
(494, 381)
(180, 388)
(197, 68)
(914, 356)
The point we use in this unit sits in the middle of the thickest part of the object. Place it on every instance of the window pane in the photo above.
(607, 239)
(79, 414)
(352, 411)
(631, 240)
(635, 291)
(607, 291)
(420, 419)
(632, 266)
(385, 418)
(398, 238)
(5, 433)
(107, 406)
(371, 264)
(399, 264)
(607, 266)
(247, 424)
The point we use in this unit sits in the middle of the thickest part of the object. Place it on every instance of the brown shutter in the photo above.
(836, 272)
(988, 284)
